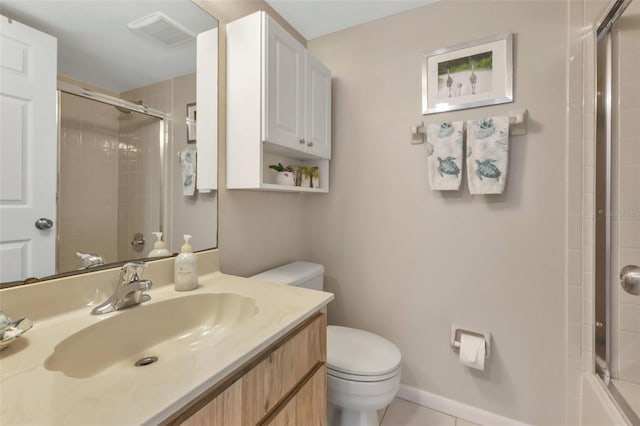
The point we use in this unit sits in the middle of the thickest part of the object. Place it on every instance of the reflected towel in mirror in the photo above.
(188, 161)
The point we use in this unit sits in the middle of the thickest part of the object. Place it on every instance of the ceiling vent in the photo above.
(160, 27)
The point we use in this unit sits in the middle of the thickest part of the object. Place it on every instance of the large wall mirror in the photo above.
(128, 156)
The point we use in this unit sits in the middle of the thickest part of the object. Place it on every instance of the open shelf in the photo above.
(290, 188)
(274, 154)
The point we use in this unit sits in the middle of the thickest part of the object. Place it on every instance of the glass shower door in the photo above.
(617, 343)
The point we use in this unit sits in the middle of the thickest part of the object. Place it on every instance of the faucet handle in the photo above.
(131, 271)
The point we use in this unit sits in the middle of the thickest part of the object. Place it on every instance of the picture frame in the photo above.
(191, 123)
(468, 75)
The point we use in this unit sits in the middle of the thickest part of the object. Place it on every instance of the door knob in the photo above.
(630, 279)
(310, 144)
(44, 223)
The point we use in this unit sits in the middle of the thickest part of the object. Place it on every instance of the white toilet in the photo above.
(363, 369)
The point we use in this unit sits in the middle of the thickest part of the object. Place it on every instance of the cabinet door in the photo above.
(308, 406)
(224, 410)
(270, 381)
(284, 79)
(318, 108)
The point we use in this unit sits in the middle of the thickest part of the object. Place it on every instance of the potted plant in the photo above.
(285, 174)
(310, 177)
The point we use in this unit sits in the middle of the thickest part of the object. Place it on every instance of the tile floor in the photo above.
(405, 413)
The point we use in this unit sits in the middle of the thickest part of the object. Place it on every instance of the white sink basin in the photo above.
(164, 329)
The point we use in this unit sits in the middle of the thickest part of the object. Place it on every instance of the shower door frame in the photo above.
(163, 138)
(603, 204)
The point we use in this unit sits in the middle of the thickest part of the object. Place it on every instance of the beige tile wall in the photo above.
(574, 209)
(581, 148)
(584, 17)
(140, 193)
(196, 215)
(109, 181)
(110, 176)
(626, 182)
(139, 188)
(88, 196)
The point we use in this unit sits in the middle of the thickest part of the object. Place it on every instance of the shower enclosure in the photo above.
(617, 203)
(110, 178)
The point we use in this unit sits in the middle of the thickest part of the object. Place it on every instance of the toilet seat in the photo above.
(361, 356)
(360, 377)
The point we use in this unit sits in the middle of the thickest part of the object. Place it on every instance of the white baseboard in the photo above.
(455, 408)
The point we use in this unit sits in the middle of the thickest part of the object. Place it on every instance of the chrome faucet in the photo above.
(90, 260)
(129, 291)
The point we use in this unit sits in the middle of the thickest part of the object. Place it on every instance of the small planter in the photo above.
(310, 177)
(285, 178)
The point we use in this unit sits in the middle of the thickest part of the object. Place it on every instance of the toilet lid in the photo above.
(359, 352)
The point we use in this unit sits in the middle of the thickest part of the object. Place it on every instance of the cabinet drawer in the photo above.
(270, 381)
(308, 405)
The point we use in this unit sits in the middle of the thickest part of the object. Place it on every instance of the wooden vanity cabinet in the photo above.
(303, 408)
(283, 385)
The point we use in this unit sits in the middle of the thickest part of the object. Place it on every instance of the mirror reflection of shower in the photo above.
(617, 212)
(109, 180)
(128, 112)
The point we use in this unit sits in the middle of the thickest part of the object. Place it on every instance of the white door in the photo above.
(284, 88)
(318, 107)
(27, 151)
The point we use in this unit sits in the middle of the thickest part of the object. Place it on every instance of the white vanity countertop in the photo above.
(31, 394)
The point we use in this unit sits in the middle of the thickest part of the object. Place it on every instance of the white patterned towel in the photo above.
(487, 154)
(444, 150)
(188, 160)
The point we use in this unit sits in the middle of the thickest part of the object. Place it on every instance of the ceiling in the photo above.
(96, 46)
(315, 18)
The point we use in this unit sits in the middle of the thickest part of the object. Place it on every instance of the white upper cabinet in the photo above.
(285, 86)
(318, 106)
(278, 106)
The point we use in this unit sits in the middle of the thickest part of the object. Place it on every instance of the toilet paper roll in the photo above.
(472, 351)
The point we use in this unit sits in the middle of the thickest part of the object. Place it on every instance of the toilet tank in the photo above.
(301, 274)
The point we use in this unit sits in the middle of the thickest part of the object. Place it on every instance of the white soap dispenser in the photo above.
(186, 270)
(159, 249)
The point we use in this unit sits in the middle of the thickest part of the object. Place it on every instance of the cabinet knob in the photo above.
(310, 144)
(302, 141)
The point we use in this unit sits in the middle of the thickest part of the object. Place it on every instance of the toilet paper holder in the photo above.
(457, 332)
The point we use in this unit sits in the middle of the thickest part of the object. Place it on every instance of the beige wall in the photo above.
(407, 262)
(195, 215)
(257, 230)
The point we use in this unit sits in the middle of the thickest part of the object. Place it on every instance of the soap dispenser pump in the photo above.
(159, 249)
(186, 269)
